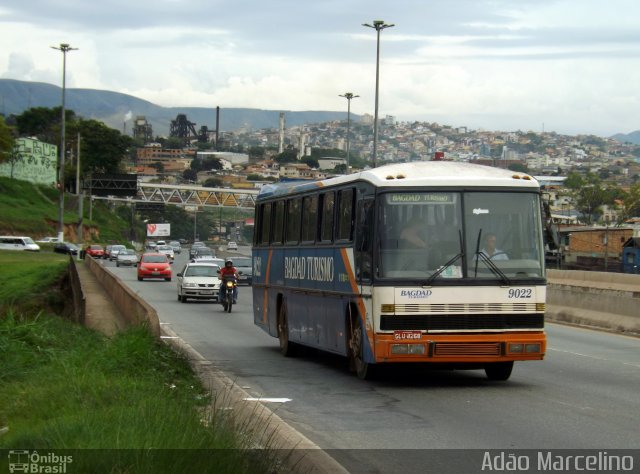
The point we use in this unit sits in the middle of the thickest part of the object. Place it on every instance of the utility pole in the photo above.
(378, 25)
(348, 96)
(64, 48)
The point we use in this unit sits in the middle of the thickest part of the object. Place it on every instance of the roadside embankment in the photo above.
(608, 301)
(106, 304)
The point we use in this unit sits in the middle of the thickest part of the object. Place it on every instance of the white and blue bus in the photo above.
(337, 266)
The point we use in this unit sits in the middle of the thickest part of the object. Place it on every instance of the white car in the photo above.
(127, 257)
(167, 250)
(198, 281)
(115, 250)
(232, 246)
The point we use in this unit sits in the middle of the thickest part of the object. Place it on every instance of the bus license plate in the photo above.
(407, 335)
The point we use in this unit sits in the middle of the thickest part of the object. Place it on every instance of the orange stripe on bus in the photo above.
(266, 286)
(359, 300)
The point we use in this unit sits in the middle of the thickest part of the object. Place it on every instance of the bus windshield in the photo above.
(434, 236)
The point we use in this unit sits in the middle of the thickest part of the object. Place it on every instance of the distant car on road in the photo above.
(167, 250)
(96, 251)
(154, 265)
(127, 258)
(232, 246)
(200, 252)
(13, 242)
(66, 247)
(198, 281)
(47, 240)
(175, 245)
(244, 265)
(115, 251)
(194, 247)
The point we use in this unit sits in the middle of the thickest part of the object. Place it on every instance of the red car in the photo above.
(96, 251)
(154, 265)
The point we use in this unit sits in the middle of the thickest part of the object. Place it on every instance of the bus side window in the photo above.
(278, 223)
(309, 218)
(364, 240)
(345, 214)
(326, 224)
(292, 235)
(265, 223)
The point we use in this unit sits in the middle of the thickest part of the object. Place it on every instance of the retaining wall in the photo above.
(133, 309)
(608, 301)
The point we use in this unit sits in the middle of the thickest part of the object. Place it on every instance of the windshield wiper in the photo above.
(492, 266)
(450, 262)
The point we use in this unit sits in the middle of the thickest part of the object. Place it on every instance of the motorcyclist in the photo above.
(228, 271)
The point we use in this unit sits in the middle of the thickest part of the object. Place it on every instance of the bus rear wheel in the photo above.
(287, 348)
(499, 370)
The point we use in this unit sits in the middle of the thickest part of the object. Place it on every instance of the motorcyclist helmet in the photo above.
(228, 263)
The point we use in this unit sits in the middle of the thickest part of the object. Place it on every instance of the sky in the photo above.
(569, 66)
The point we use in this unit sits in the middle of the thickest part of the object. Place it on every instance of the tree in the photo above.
(310, 162)
(290, 155)
(213, 183)
(588, 194)
(630, 203)
(102, 148)
(43, 123)
(522, 168)
(6, 141)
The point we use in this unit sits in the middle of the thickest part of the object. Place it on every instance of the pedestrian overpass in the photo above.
(190, 196)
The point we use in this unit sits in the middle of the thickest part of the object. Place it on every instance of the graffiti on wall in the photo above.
(32, 160)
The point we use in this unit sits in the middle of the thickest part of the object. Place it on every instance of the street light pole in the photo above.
(64, 48)
(348, 96)
(378, 25)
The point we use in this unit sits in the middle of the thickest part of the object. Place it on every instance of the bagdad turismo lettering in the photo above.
(309, 268)
(416, 293)
(547, 461)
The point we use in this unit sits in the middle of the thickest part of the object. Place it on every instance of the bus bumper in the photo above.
(412, 346)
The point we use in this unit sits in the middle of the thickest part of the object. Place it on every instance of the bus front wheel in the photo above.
(288, 348)
(363, 370)
(499, 370)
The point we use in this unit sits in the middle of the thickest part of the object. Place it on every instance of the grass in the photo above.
(130, 400)
(31, 209)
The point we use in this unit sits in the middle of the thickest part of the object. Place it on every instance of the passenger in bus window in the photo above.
(490, 249)
(413, 235)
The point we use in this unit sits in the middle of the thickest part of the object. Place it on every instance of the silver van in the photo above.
(14, 242)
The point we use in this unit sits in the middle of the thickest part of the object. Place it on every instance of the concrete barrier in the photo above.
(609, 301)
(133, 309)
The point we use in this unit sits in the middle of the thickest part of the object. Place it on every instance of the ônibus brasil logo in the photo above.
(33, 462)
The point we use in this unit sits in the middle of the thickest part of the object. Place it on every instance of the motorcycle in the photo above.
(228, 289)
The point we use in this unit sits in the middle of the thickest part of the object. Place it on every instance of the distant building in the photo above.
(329, 163)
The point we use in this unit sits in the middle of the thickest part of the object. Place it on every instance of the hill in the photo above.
(112, 108)
(633, 137)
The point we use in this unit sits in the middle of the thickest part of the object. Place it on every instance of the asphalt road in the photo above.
(584, 395)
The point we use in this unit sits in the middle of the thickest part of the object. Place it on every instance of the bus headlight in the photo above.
(415, 349)
(532, 348)
(516, 348)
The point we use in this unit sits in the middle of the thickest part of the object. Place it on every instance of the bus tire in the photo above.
(357, 335)
(287, 348)
(499, 370)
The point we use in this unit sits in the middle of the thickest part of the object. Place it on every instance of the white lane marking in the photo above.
(169, 337)
(596, 358)
(268, 400)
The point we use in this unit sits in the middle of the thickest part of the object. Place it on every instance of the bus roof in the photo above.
(424, 173)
